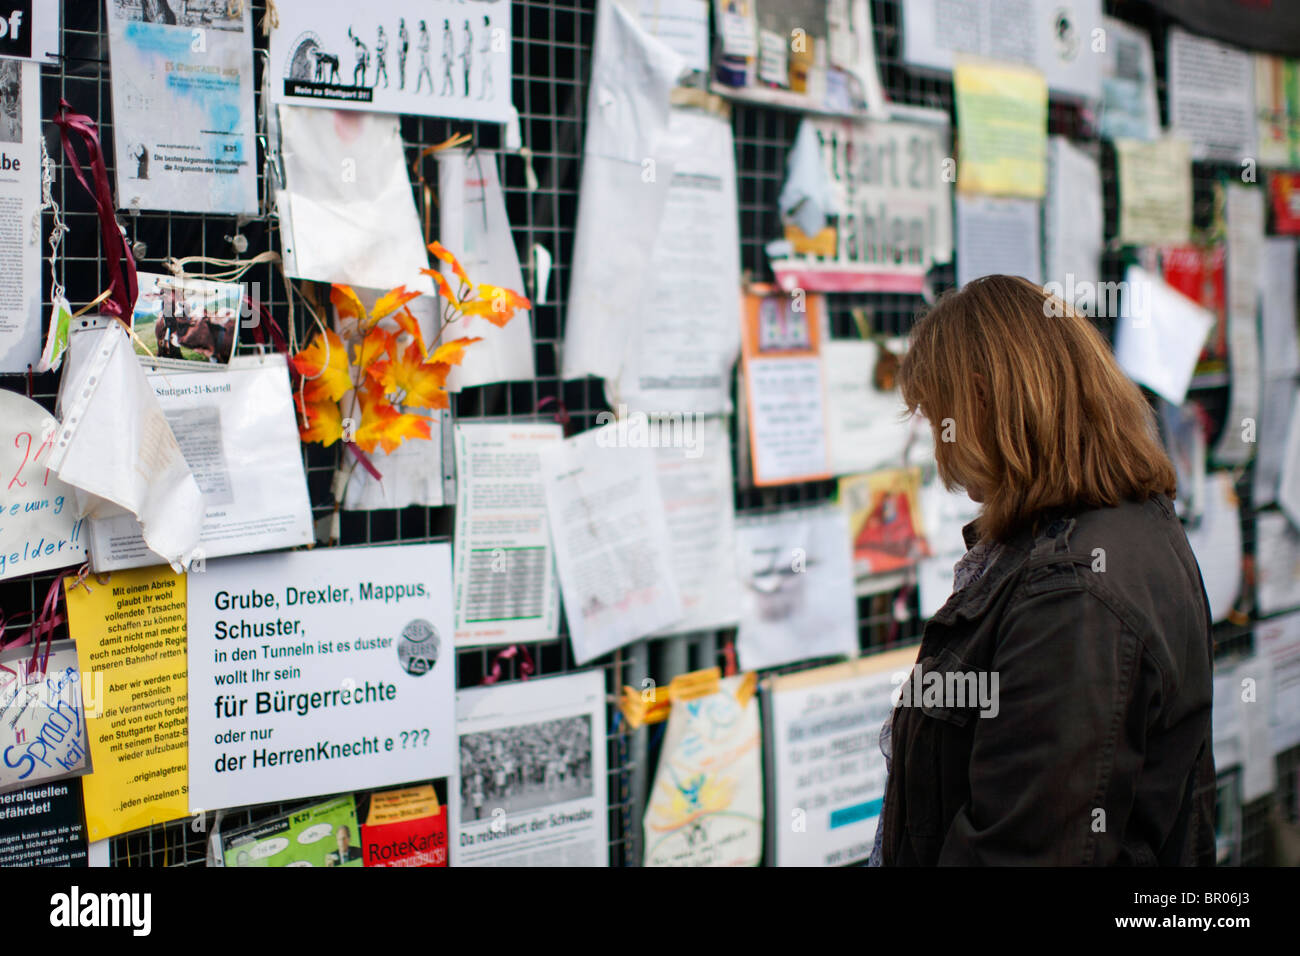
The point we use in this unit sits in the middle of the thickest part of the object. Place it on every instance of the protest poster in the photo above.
(404, 827)
(796, 574)
(531, 790)
(430, 58)
(1058, 37)
(130, 637)
(706, 807)
(825, 765)
(43, 826)
(319, 835)
(39, 527)
(183, 120)
(20, 200)
(505, 579)
(610, 533)
(890, 214)
(784, 406)
(237, 431)
(1002, 128)
(42, 716)
(885, 519)
(318, 672)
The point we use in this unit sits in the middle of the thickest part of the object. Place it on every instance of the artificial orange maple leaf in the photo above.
(407, 322)
(324, 421)
(384, 426)
(441, 251)
(324, 366)
(377, 343)
(453, 352)
(346, 303)
(391, 301)
(444, 287)
(495, 303)
(419, 383)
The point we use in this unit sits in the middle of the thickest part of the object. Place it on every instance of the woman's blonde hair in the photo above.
(1029, 406)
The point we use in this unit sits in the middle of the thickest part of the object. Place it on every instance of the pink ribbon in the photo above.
(514, 650)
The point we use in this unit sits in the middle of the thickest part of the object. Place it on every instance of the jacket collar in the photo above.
(973, 601)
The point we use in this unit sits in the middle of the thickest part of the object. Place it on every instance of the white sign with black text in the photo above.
(319, 671)
(430, 58)
(891, 207)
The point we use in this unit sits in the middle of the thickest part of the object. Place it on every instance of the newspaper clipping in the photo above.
(532, 786)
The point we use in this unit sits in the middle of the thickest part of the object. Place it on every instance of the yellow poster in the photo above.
(130, 636)
(1001, 129)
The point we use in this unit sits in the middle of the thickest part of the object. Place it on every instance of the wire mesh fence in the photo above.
(551, 62)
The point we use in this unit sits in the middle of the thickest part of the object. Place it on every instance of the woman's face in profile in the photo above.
(972, 489)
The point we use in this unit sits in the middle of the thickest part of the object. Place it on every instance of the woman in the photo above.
(1079, 604)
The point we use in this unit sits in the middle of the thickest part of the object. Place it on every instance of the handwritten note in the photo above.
(39, 528)
(42, 719)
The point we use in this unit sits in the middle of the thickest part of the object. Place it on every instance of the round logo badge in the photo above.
(417, 649)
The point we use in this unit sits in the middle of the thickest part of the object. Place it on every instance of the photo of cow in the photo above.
(186, 320)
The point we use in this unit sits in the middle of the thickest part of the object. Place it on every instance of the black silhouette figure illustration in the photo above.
(325, 61)
(485, 87)
(381, 57)
(403, 44)
(363, 59)
(448, 54)
(425, 43)
(141, 156)
(467, 54)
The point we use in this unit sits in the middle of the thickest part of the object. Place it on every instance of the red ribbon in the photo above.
(364, 460)
(46, 623)
(514, 650)
(122, 281)
(267, 324)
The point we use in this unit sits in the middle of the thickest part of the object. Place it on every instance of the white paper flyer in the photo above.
(183, 121)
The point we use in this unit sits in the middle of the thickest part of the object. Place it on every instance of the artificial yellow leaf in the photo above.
(391, 301)
(444, 287)
(324, 366)
(377, 344)
(407, 322)
(346, 303)
(324, 422)
(441, 251)
(413, 380)
(451, 353)
(495, 303)
(384, 426)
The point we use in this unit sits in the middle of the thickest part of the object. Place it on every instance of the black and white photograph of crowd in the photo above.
(525, 767)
